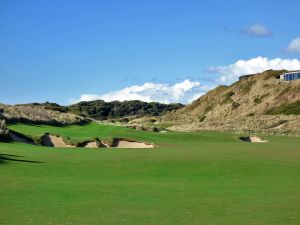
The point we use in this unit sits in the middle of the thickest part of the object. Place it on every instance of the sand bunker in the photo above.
(50, 140)
(252, 139)
(96, 144)
(127, 143)
(54, 141)
(92, 144)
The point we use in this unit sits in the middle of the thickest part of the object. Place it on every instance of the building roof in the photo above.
(297, 71)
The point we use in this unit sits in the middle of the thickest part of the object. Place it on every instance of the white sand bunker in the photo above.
(57, 141)
(92, 144)
(54, 141)
(128, 143)
(253, 139)
(95, 144)
(50, 140)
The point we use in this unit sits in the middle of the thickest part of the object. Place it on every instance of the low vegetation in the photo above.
(258, 102)
(3, 131)
(38, 114)
(286, 109)
(102, 110)
(55, 114)
(227, 98)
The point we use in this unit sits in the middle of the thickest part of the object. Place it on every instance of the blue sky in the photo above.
(168, 50)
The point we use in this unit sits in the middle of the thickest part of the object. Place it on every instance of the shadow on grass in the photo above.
(16, 158)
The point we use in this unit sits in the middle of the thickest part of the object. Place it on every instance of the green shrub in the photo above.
(235, 105)
(246, 87)
(37, 140)
(4, 135)
(102, 110)
(257, 100)
(202, 118)
(208, 108)
(229, 94)
(3, 129)
(152, 120)
(227, 98)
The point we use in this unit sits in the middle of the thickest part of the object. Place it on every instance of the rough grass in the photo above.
(38, 114)
(286, 109)
(257, 95)
(192, 178)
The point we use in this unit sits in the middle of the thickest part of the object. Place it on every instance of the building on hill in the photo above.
(290, 76)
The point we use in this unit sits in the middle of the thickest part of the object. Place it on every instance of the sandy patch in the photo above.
(49, 140)
(104, 145)
(253, 139)
(54, 141)
(132, 144)
(92, 144)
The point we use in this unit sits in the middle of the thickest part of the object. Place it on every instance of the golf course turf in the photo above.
(204, 178)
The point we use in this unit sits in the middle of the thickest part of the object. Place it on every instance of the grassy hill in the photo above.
(102, 110)
(191, 178)
(259, 102)
(38, 114)
(55, 114)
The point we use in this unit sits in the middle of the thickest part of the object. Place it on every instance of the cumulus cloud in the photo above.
(187, 91)
(258, 30)
(183, 92)
(230, 73)
(294, 46)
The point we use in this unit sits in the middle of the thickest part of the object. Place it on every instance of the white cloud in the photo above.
(258, 30)
(183, 92)
(294, 46)
(187, 91)
(230, 73)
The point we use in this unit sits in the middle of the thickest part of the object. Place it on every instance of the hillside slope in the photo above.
(38, 114)
(259, 102)
(101, 110)
(82, 112)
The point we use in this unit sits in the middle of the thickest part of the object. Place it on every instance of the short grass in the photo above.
(204, 178)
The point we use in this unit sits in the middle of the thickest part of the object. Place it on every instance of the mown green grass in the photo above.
(204, 178)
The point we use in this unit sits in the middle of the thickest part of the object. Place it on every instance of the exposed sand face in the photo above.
(54, 141)
(104, 145)
(92, 144)
(256, 139)
(57, 141)
(133, 144)
(253, 139)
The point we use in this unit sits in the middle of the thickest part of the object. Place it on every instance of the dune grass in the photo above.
(205, 178)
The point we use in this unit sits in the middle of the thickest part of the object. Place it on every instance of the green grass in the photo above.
(200, 178)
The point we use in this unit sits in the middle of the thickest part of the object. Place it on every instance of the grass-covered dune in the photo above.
(191, 178)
